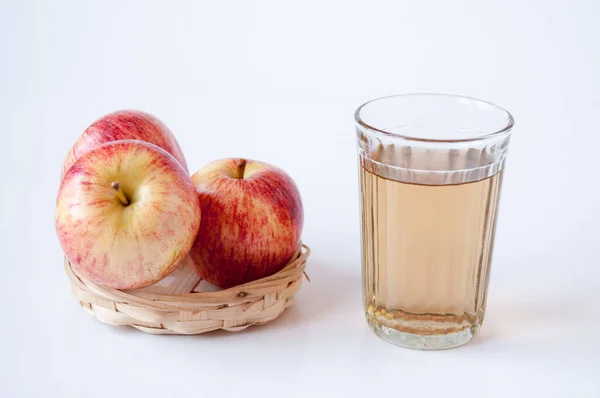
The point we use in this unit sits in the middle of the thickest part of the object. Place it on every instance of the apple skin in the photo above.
(133, 246)
(124, 125)
(251, 226)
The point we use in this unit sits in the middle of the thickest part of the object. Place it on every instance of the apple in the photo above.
(124, 125)
(252, 219)
(126, 214)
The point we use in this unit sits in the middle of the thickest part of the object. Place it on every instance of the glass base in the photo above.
(422, 342)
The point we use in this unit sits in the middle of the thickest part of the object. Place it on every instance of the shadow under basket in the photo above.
(176, 304)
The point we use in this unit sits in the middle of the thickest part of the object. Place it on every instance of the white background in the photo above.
(279, 81)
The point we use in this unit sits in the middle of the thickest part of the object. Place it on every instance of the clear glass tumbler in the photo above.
(430, 176)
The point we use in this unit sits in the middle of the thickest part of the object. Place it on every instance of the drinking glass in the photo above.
(431, 168)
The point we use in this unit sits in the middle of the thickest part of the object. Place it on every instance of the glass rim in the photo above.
(507, 128)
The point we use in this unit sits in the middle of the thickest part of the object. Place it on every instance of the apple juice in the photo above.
(426, 252)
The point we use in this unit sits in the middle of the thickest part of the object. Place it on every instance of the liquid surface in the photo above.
(426, 253)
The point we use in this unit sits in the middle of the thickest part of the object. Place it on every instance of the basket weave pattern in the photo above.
(175, 306)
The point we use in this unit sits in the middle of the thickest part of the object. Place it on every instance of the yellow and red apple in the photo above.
(126, 214)
(252, 220)
(124, 125)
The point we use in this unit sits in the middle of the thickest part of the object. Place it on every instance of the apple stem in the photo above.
(241, 166)
(117, 187)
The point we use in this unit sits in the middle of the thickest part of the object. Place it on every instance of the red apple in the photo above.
(126, 214)
(251, 224)
(124, 125)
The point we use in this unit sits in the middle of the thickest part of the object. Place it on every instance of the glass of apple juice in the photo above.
(431, 170)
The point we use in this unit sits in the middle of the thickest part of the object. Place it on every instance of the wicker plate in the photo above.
(177, 304)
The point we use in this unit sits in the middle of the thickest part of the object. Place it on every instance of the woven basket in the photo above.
(176, 305)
